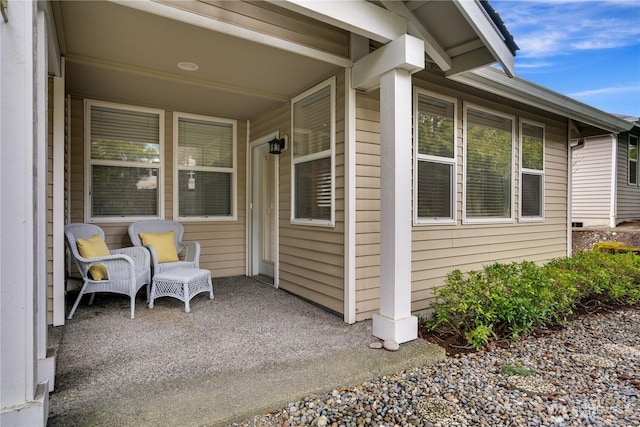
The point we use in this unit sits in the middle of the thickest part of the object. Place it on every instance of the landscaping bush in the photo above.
(511, 300)
(601, 278)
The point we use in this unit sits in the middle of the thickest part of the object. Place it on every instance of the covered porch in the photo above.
(247, 66)
(252, 349)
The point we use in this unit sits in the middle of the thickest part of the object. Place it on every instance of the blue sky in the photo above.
(587, 50)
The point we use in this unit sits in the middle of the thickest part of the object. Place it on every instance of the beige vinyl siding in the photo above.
(439, 249)
(628, 195)
(222, 244)
(367, 204)
(311, 257)
(591, 182)
(270, 19)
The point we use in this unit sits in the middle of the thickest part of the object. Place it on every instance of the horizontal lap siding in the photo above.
(591, 182)
(628, 197)
(311, 258)
(222, 243)
(367, 204)
(438, 250)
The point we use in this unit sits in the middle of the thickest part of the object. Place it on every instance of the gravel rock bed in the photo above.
(585, 375)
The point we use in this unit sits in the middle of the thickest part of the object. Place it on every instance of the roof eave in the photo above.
(495, 81)
(486, 29)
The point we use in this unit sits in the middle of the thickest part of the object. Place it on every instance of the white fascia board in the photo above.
(495, 81)
(432, 46)
(356, 16)
(176, 14)
(476, 16)
(406, 52)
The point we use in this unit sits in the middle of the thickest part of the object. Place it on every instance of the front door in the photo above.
(264, 213)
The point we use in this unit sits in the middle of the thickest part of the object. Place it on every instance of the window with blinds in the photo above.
(532, 171)
(488, 166)
(633, 160)
(435, 139)
(205, 167)
(312, 145)
(124, 146)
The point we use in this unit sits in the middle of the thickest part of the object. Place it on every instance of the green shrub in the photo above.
(601, 277)
(511, 300)
(614, 247)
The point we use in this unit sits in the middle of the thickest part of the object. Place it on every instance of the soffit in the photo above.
(119, 53)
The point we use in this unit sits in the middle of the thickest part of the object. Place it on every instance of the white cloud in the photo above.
(605, 91)
(556, 28)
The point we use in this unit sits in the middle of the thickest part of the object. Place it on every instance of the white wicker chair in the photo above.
(128, 269)
(189, 252)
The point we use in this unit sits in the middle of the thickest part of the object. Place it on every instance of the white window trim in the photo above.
(465, 220)
(435, 159)
(636, 160)
(88, 103)
(176, 168)
(541, 173)
(331, 82)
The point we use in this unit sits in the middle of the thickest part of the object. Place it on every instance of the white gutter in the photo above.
(493, 80)
(614, 180)
(572, 148)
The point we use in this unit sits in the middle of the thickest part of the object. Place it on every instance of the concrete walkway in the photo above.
(251, 350)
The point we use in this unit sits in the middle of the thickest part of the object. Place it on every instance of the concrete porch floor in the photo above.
(252, 349)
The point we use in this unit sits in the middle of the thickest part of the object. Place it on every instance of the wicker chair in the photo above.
(127, 268)
(189, 252)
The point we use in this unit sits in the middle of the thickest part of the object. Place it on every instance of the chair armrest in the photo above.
(193, 251)
(139, 255)
(119, 266)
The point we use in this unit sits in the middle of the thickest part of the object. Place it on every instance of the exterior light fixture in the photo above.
(276, 145)
(187, 66)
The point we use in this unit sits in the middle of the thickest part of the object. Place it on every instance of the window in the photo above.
(488, 166)
(205, 167)
(532, 171)
(633, 159)
(123, 147)
(435, 169)
(313, 117)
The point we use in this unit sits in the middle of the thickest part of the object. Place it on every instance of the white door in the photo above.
(264, 213)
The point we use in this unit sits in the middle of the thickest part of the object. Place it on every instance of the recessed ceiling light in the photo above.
(187, 66)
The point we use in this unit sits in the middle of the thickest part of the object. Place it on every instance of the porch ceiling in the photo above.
(114, 52)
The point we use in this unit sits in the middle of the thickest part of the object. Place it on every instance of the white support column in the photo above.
(395, 321)
(23, 398)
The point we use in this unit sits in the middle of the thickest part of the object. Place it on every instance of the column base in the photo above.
(398, 330)
(33, 413)
(47, 367)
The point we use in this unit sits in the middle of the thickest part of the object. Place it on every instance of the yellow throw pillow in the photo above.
(163, 243)
(94, 247)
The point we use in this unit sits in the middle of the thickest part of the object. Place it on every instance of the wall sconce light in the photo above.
(276, 145)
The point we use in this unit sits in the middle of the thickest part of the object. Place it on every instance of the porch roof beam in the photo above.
(432, 46)
(356, 16)
(177, 14)
(406, 52)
